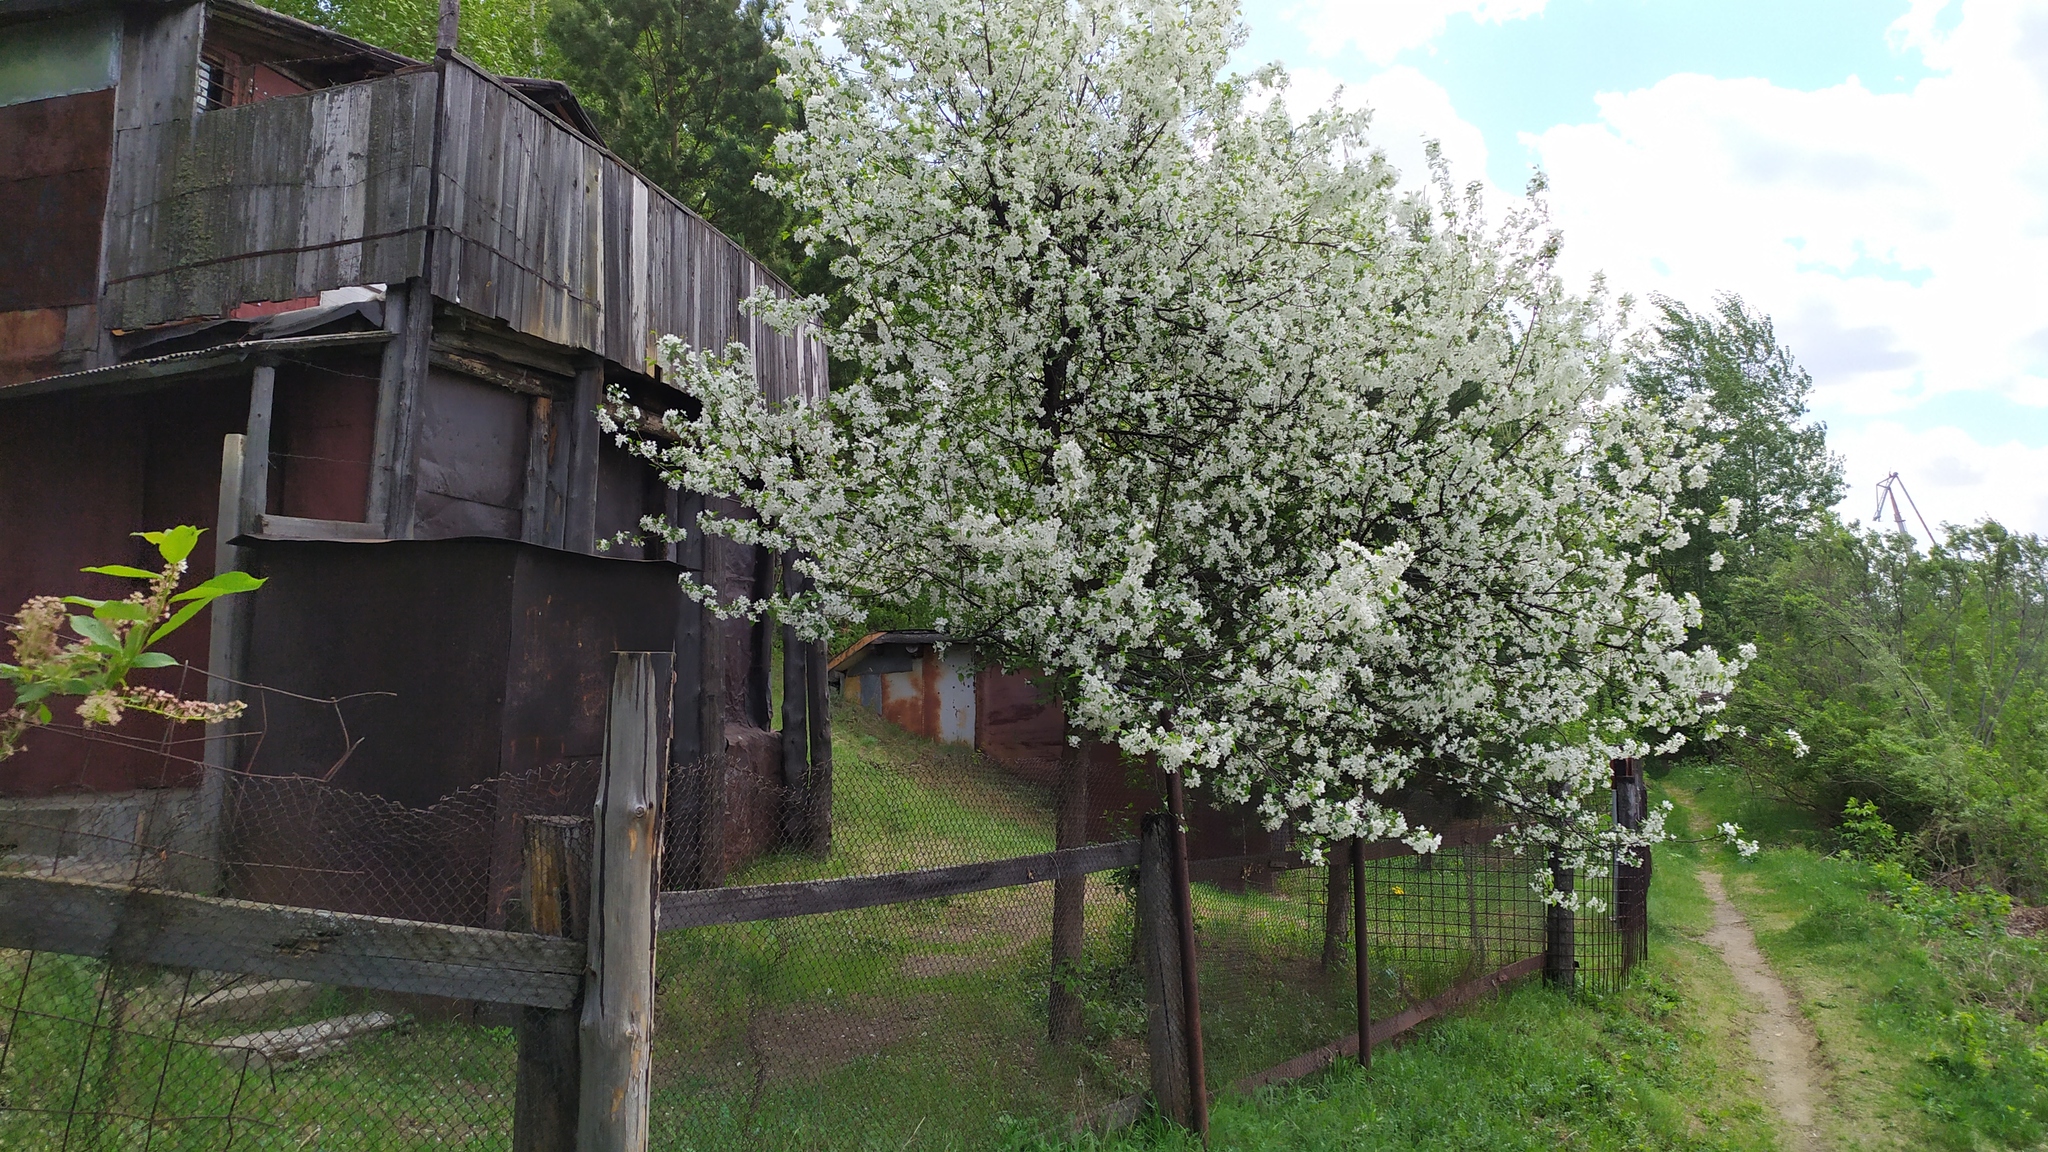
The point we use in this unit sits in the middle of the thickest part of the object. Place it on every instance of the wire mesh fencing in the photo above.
(934, 1022)
(282, 964)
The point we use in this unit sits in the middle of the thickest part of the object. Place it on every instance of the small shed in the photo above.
(942, 690)
(355, 314)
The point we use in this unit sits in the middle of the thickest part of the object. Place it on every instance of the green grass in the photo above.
(1933, 1038)
(69, 1083)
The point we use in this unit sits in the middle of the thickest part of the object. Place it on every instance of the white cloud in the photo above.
(1408, 110)
(1894, 236)
(1383, 29)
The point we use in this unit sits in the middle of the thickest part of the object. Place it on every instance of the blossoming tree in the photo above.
(1296, 482)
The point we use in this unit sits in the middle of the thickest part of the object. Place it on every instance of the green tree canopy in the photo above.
(1775, 464)
(685, 91)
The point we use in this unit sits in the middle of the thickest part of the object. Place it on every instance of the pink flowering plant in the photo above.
(110, 641)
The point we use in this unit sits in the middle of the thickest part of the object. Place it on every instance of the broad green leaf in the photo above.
(121, 610)
(95, 631)
(32, 693)
(178, 621)
(120, 570)
(226, 584)
(87, 601)
(174, 544)
(42, 714)
(155, 660)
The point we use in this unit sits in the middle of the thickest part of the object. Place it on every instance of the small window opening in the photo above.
(214, 91)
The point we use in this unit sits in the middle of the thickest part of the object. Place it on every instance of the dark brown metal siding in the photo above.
(472, 458)
(322, 440)
(82, 474)
(54, 159)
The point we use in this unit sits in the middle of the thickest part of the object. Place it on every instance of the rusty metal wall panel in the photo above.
(271, 201)
(83, 473)
(322, 438)
(497, 656)
(53, 192)
(472, 453)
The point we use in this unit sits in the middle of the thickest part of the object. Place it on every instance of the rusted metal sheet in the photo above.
(473, 445)
(322, 440)
(461, 659)
(83, 473)
(53, 190)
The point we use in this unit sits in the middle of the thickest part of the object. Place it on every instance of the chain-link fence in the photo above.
(242, 969)
(926, 1023)
(282, 963)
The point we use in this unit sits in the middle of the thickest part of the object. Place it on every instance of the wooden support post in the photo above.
(617, 1030)
(1159, 964)
(1191, 972)
(1361, 952)
(556, 893)
(579, 426)
(197, 865)
(1631, 869)
(1070, 830)
(818, 788)
(448, 32)
(1337, 906)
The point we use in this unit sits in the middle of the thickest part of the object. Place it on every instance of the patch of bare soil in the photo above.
(2026, 921)
(1780, 1037)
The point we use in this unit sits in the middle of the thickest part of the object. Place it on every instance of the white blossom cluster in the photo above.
(1301, 485)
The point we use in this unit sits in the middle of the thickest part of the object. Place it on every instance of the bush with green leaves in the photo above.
(111, 642)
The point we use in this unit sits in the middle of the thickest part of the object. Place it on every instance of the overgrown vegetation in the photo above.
(1932, 1013)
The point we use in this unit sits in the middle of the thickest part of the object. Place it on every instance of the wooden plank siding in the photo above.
(558, 238)
(532, 224)
(274, 201)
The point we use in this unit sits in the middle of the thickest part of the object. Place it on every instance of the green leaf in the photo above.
(120, 570)
(226, 584)
(120, 610)
(174, 544)
(178, 621)
(42, 714)
(87, 601)
(95, 631)
(31, 693)
(155, 660)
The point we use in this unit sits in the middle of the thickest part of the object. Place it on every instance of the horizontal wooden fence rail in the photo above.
(694, 909)
(178, 929)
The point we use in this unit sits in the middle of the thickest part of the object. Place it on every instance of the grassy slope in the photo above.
(1914, 1062)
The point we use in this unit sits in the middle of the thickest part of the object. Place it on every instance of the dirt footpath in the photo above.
(1783, 1042)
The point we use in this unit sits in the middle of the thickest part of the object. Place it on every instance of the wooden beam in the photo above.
(617, 1030)
(302, 528)
(181, 930)
(556, 851)
(504, 375)
(256, 446)
(808, 897)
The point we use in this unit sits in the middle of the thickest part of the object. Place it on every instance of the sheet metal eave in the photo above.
(159, 371)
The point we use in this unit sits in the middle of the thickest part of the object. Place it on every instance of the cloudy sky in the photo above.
(1871, 173)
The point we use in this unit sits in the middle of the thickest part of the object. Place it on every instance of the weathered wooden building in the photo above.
(356, 312)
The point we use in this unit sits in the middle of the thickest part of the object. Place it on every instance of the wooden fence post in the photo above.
(617, 1028)
(556, 893)
(1362, 952)
(1070, 830)
(1631, 870)
(818, 783)
(1191, 972)
(1159, 963)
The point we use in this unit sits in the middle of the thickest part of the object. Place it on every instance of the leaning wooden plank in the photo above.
(177, 929)
(808, 897)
